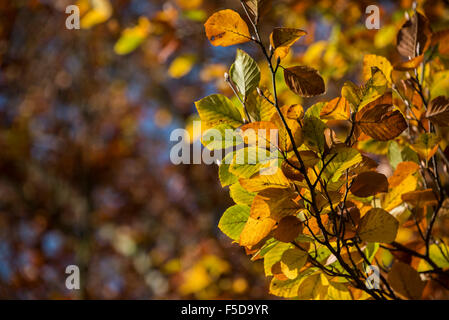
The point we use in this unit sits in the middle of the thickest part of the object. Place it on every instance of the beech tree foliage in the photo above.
(327, 210)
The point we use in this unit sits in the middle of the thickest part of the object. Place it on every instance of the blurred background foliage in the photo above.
(85, 120)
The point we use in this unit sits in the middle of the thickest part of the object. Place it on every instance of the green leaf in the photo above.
(216, 109)
(245, 73)
(315, 110)
(396, 154)
(313, 133)
(233, 221)
(439, 253)
(274, 255)
(259, 108)
(345, 158)
(250, 160)
(220, 137)
(226, 177)
(241, 195)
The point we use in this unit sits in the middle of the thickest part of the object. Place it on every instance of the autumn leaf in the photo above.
(259, 181)
(226, 28)
(438, 111)
(257, 8)
(420, 197)
(217, 109)
(406, 281)
(100, 11)
(240, 195)
(336, 109)
(268, 208)
(282, 39)
(372, 60)
(304, 81)
(132, 38)
(245, 73)
(369, 183)
(261, 133)
(377, 225)
(426, 145)
(380, 121)
(258, 107)
(414, 36)
(284, 141)
(313, 132)
(292, 261)
(288, 229)
(313, 287)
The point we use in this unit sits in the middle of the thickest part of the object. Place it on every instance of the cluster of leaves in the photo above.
(319, 210)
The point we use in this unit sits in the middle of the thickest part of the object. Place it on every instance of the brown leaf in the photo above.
(288, 229)
(257, 8)
(304, 81)
(420, 197)
(441, 38)
(369, 183)
(291, 172)
(379, 121)
(438, 111)
(406, 281)
(415, 33)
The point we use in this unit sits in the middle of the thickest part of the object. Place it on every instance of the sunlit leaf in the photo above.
(377, 225)
(226, 28)
(233, 221)
(245, 73)
(282, 39)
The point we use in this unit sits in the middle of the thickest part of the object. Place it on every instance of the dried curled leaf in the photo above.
(414, 37)
(369, 183)
(226, 28)
(379, 121)
(257, 8)
(438, 111)
(304, 81)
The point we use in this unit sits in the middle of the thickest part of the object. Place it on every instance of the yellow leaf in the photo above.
(189, 4)
(268, 208)
(393, 198)
(259, 182)
(131, 38)
(181, 66)
(336, 109)
(313, 288)
(226, 28)
(292, 261)
(282, 39)
(371, 60)
(101, 10)
(426, 145)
